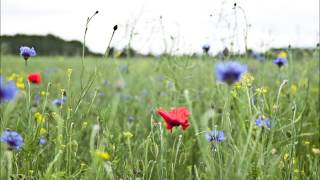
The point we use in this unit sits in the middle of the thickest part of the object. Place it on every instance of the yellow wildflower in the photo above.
(234, 94)
(262, 90)
(18, 79)
(283, 54)
(293, 89)
(44, 93)
(247, 79)
(42, 131)
(103, 155)
(237, 85)
(20, 83)
(39, 117)
(286, 156)
(273, 151)
(127, 135)
(12, 77)
(84, 125)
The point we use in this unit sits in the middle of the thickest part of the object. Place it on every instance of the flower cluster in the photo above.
(27, 52)
(103, 155)
(19, 79)
(59, 101)
(8, 90)
(13, 139)
(263, 122)
(280, 61)
(217, 136)
(230, 72)
(39, 118)
(261, 91)
(206, 48)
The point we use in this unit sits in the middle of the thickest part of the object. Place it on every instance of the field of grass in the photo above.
(108, 127)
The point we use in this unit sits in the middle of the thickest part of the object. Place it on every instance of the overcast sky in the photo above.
(185, 25)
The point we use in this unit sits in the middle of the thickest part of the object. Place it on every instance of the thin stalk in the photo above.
(246, 30)
(84, 46)
(279, 92)
(9, 160)
(176, 156)
(248, 136)
(106, 53)
(292, 150)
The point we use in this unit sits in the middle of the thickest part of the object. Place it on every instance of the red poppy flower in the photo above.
(176, 117)
(34, 78)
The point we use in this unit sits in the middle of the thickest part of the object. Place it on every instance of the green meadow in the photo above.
(108, 127)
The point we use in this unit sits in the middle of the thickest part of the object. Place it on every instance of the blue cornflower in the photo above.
(257, 56)
(124, 68)
(130, 119)
(206, 48)
(101, 94)
(144, 93)
(27, 52)
(106, 82)
(159, 78)
(42, 141)
(59, 101)
(230, 72)
(37, 99)
(263, 122)
(7, 91)
(215, 135)
(280, 61)
(13, 139)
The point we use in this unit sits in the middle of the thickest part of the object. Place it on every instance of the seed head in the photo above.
(115, 27)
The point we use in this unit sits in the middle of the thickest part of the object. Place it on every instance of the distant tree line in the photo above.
(48, 45)
(51, 45)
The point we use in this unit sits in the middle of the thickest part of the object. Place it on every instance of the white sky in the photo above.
(274, 23)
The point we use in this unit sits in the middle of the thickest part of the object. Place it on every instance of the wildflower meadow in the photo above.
(120, 115)
(227, 121)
